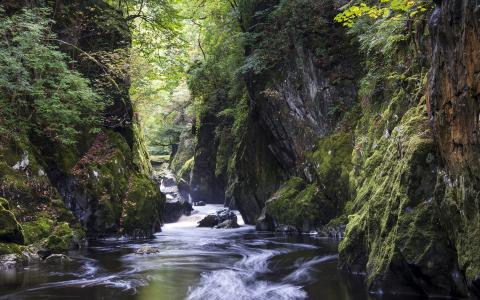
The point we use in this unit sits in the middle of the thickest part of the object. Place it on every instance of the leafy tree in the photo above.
(37, 89)
(382, 9)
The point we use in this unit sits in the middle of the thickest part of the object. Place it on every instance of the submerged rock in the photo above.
(58, 258)
(147, 250)
(224, 218)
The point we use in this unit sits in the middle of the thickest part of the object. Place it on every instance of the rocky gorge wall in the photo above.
(281, 113)
(102, 185)
(380, 136)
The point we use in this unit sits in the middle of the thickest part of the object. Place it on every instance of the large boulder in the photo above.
(10, 230)
(175, 209)
(224, 218)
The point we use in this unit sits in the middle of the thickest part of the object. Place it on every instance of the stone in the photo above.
(57, 259)
(209, 221)
(227, 224)
(8, 261)
(265, 222)
(199, 203)
(146, 250)
(223, 218)
(175, 209)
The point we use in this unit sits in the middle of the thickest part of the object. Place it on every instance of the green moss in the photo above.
(184, 172)
(37, 230)
(224, 150)
(10, 229)
(139, 150)
(295, 203)
(333, 164)
(392, 218)
(10, 248)
(61, 239)
(143, 207)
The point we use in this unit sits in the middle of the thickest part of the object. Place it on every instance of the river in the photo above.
(193, 263)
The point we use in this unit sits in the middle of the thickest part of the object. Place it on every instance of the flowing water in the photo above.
(193, 263)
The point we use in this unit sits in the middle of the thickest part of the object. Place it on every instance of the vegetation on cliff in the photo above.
(312, 115)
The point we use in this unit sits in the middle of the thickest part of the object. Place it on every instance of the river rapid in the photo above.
(193, 263)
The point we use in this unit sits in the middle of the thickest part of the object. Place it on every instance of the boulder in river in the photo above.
(219, 219)
(265, 222)
(227, 224)
(145, 250)
(175, 209)
(58, 258)
(8, 261)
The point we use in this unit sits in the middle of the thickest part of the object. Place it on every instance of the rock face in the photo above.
(454, 86)
(102, 185)
(175, 205)
(411, 227)
(386, 158)
(224, 218)
(453, 97)
(284, 111)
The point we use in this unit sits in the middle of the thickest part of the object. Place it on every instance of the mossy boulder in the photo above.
(143, 207)
(61, 239)
(37, 230)
(10, 229)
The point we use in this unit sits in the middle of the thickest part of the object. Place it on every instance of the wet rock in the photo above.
(287, 229)
(265, 222)
(176, 205)
(224, 218)
(209, 221)
(146, 250)
(43, 253)
(173, 210)
(58, 259)
(336, 232)
(8, 261)
(228, 224)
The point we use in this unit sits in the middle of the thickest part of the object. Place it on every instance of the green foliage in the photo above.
(37, 89)
(383, 9)
(279, 29)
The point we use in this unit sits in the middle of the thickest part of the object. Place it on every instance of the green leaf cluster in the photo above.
(38, 91)
(381, 9)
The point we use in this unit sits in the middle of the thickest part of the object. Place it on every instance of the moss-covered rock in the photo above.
(295, 204)
(61, 239)
(10, 229)
(143, 207)
(394, 232)
(37, 230)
